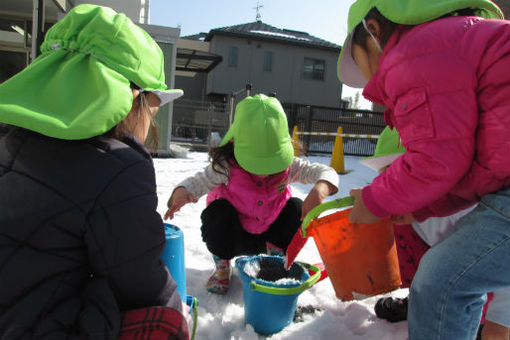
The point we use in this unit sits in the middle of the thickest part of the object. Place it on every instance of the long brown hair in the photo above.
(221, 155)
(123, 129)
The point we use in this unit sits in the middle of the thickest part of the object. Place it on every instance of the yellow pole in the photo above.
(337, 157)
(295, 141)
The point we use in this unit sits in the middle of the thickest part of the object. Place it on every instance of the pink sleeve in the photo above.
(437, 130)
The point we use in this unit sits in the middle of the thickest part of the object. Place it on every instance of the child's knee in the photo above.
(429, 282)
(219, 220)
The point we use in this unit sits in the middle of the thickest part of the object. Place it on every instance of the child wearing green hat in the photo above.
(250, 208)
(81, 239)
(441, 69)
(413, 240)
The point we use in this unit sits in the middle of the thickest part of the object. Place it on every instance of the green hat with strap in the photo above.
(79, 87)
(387, 150)
(262, 144)
(405, 12)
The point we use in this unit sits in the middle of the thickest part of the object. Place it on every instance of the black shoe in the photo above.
(391, 309)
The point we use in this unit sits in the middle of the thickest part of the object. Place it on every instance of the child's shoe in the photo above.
(391, 309)
(219, 282)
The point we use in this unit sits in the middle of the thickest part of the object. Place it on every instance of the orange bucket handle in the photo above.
(334, 204)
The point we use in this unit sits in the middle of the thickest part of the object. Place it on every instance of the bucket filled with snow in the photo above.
(270, 292)
(361, 259)
(173, 257)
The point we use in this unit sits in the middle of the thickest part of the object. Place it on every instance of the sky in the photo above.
(222, 317)
(325, 19)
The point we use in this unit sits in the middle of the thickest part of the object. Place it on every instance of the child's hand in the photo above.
(319, 192)
(179, 198)
(360, 213)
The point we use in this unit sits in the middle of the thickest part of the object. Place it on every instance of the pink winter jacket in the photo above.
(446, 86)
(258, 201)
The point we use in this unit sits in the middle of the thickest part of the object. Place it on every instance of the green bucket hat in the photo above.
(405, 12)
(79, 87)
(262, 144)
(387, 150)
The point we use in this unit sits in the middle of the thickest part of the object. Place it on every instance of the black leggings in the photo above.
(225, 237)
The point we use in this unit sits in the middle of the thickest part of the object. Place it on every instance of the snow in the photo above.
(222, 316)
(280, 35)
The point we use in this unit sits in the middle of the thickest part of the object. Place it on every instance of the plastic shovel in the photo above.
(299, 240)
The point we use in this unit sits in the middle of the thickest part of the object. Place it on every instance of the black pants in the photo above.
(225, 237)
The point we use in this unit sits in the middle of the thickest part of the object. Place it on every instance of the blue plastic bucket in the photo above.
(269, 306)
(173, 257)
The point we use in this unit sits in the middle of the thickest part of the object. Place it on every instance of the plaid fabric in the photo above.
(410, 249)
(153, 323)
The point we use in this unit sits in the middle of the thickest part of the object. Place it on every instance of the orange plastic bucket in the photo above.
(361, 259)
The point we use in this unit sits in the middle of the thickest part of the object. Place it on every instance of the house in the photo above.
(298, 67)
(23, 24)
(505, 7)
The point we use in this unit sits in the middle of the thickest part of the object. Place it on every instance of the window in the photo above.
(232, 57)
(268, 61)
(313, 69)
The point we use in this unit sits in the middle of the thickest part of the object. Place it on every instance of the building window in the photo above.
(232, 56)
(268, 61)
(313, 69)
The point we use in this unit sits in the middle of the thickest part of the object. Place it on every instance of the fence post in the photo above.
(308, 127)
(295, 141)
(337, 156)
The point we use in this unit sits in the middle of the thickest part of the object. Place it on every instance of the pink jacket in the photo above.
(258, 201)
(446, 86)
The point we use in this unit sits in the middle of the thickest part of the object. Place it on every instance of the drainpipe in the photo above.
(37, 27)
(147, 12)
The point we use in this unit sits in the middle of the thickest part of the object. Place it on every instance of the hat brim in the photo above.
(348, 71)
(377, 163)
(228, 136)
(167, 96)
(278, 162)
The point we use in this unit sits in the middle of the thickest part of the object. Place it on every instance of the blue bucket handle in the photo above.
(290, 290)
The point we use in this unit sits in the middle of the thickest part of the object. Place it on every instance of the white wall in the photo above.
(286, 77)
(131, 8)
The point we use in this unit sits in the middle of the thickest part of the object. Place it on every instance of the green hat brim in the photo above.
(266, 165)
(228, 136)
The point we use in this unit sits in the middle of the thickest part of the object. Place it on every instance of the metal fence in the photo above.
(325, 119)
(195, 121)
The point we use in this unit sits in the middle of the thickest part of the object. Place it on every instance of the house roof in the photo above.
(261, 31)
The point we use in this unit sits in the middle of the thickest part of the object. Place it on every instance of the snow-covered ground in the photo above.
(222, 317)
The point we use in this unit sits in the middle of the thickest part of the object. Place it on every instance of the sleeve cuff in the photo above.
(371, 204)
(422, 214)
